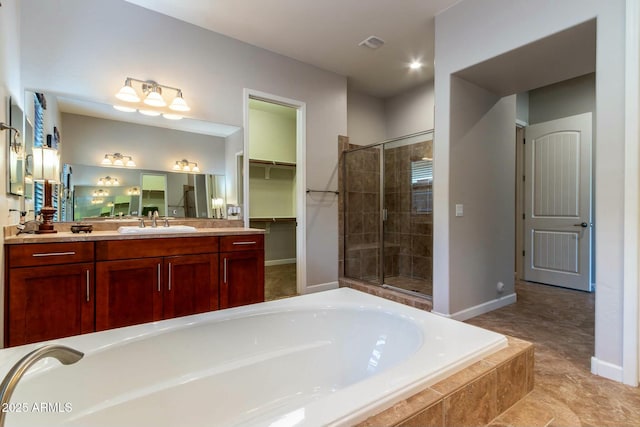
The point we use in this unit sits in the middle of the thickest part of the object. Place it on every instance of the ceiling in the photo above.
(326, 33)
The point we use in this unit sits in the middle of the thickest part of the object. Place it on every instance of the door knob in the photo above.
(582, 224)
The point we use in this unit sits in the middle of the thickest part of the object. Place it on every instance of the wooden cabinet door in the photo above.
(242, 278)
(128, 292)
(191, 286)
(49, 302)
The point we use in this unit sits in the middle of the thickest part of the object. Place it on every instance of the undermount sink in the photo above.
(134, 229)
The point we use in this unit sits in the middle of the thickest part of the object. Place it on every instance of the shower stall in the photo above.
(388, 213)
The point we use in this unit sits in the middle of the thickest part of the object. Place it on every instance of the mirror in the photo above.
(139, 192)
(16, 150)
(90, 131)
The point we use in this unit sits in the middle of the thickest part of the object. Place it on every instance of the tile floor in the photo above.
(560, 323)
(279, 281)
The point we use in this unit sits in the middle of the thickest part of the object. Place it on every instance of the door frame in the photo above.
(301, 180)
(519, 208)
(631, 274)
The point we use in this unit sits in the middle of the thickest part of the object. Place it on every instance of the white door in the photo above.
(557, 209)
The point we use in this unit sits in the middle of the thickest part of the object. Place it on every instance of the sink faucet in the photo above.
(154, 220)
(65, 355)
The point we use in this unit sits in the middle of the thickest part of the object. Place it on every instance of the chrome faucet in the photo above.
(154, 219)
(66, 356)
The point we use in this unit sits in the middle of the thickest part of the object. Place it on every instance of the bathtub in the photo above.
(330, 358)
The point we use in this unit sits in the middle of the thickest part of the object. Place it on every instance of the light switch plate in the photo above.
(459, 210)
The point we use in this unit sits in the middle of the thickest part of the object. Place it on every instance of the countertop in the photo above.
(68, 236)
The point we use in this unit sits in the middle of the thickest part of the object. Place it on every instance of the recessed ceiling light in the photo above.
(415, 65)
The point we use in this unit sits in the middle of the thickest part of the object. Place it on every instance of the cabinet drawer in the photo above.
(35, 254)
(238, 243)
(157, 247)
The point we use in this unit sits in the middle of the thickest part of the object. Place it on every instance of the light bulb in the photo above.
(106, 160)
(154, 99)
(179, 104)
(128, 93)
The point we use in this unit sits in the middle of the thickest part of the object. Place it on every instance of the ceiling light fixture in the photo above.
(415, 65)
(186, 166)
(118, 159)
(151, 97)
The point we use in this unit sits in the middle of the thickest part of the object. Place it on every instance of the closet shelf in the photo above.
(273, 219)
(271, 163)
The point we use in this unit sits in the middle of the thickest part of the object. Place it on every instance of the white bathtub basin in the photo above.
(330, 358)
(134, 229)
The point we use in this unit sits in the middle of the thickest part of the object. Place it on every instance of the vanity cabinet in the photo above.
(54, 290)
(50, 291)
(179, 277)
(242, 270)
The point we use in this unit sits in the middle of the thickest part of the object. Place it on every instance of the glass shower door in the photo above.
(408, 214)
(362, 220)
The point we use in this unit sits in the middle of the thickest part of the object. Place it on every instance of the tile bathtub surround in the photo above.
(473, 396)
(402, 298)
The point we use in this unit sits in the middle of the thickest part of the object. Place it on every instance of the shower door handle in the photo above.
(384, 214)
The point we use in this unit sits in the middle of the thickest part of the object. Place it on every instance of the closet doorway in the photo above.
(274, 190)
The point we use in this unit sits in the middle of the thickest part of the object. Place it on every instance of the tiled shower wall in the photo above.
(408, 234)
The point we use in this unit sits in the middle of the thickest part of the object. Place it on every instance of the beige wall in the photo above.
(410, 112)
(272, 136)
(372, 119)
(567, 98)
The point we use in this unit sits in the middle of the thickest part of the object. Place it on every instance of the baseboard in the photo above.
(477, 310)
(279, 262)
(606, 369)
(321, 287)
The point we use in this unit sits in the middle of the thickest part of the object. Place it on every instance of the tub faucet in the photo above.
(66, 356)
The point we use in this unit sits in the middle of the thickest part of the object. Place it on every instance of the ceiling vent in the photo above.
(372, 42)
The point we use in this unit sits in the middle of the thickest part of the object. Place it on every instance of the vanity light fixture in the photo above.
(100, 193)
(151, 97)
(118, 159)
(108, 181)
(133, 191)
(186, 166)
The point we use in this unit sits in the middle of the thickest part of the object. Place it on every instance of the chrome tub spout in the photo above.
(65, 355)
